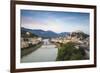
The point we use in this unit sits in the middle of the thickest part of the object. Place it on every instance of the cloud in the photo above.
(59, 22)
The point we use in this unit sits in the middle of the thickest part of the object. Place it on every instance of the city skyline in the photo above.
(55, 21)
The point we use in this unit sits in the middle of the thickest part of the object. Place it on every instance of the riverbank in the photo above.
(32, 48)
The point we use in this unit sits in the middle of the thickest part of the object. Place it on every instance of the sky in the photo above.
(55, 21)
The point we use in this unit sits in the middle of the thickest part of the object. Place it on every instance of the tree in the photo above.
(69, 52)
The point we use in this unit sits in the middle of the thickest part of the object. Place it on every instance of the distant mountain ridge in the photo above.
(64, 34)
(44, 34)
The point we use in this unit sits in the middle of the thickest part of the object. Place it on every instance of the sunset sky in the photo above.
(55, 21)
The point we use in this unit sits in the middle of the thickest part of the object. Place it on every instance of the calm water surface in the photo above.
(47, 52)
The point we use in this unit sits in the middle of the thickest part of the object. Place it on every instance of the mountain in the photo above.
(25, 33)
(44, 34)
(50, 34)
(40, 33)
(64, 34)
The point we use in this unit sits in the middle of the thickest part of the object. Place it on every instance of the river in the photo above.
(47, 52)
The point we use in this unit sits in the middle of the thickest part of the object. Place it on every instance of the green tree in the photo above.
(69, 52)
